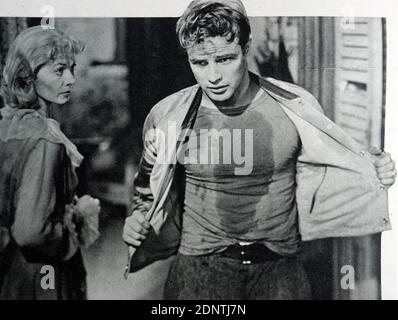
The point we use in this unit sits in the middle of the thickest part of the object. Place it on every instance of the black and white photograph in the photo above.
(198, 150)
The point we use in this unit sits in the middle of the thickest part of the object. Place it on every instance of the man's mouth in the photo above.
(219, 89)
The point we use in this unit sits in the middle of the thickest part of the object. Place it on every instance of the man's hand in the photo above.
(136, 227)
(385, 167)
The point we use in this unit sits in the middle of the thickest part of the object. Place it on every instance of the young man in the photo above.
(236, 170)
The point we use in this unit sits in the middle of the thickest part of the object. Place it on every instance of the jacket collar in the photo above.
(276, 90)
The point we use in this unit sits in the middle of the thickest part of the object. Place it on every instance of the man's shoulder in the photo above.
(288, 90)
(166, 106)
(287, 87)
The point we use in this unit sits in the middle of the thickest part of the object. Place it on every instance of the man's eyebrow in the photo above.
(196, 59)
(226, 55)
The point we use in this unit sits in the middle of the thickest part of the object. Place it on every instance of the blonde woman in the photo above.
(42, 223)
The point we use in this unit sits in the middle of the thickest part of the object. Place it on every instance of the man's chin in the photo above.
(220, 98)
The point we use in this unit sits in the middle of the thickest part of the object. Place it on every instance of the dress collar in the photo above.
(51, 130)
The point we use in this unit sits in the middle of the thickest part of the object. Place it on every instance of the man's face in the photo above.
(219, 68)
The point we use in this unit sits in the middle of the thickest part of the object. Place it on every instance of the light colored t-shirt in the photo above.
(240, 179)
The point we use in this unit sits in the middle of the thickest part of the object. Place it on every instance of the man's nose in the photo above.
(69, 78)
(214, 75)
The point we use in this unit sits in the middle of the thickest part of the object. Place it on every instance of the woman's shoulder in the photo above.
(28, 137)
(34, 126)
(30, 126)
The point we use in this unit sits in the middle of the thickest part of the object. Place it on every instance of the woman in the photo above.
(40, 228)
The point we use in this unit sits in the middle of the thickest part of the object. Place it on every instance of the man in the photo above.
(236, 170)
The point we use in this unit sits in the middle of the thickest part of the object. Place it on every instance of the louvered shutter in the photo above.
(359, 78)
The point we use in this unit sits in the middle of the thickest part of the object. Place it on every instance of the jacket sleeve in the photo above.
(142, 197)
(39, 226)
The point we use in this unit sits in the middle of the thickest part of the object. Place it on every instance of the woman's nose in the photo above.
(69, 77)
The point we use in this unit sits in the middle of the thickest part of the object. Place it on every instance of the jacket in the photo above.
(338, 193)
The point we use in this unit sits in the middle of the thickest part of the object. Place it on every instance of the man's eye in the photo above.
(200, 63)
(224, 60)
(59, 71)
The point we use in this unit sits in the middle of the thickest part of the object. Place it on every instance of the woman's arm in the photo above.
(39, 227)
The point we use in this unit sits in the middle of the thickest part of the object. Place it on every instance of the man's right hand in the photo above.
(136, 227)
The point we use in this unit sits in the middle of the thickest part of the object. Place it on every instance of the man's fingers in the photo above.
(132, 225)
(133, 232)
(135, 229)
(384, 159)
(139, 228)
(138, 218)
(129, 232)
(142, 220)
(388, 168)
(138, 236)
(386, 174)
(388, 182)
(131, 241)
(375, 151)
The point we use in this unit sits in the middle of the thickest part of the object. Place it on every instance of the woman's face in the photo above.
(55, 80)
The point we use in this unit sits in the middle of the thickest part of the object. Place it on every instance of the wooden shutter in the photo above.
(359, 78)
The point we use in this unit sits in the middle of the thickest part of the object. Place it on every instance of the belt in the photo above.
(248, 254)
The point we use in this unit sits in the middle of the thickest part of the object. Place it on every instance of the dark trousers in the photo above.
(220, 277)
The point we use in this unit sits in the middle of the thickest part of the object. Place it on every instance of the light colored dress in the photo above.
(37, 180)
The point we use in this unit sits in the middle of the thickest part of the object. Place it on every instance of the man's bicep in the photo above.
(142, 195)
(149, 152)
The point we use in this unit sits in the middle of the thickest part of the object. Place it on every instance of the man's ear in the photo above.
(246, 48)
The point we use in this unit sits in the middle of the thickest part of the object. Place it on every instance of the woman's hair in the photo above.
(204, 19)
(32, 49)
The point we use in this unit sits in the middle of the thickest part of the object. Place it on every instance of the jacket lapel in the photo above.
(307, 112)
(183, 135)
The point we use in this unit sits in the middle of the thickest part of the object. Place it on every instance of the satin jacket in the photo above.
(338, 193)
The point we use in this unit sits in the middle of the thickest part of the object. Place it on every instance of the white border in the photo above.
(173, 8)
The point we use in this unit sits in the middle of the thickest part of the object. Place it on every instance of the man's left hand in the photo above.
(385, 167)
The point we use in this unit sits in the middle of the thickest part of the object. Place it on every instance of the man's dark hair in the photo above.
(202, 20)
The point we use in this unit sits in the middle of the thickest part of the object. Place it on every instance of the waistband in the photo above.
(249, 254)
